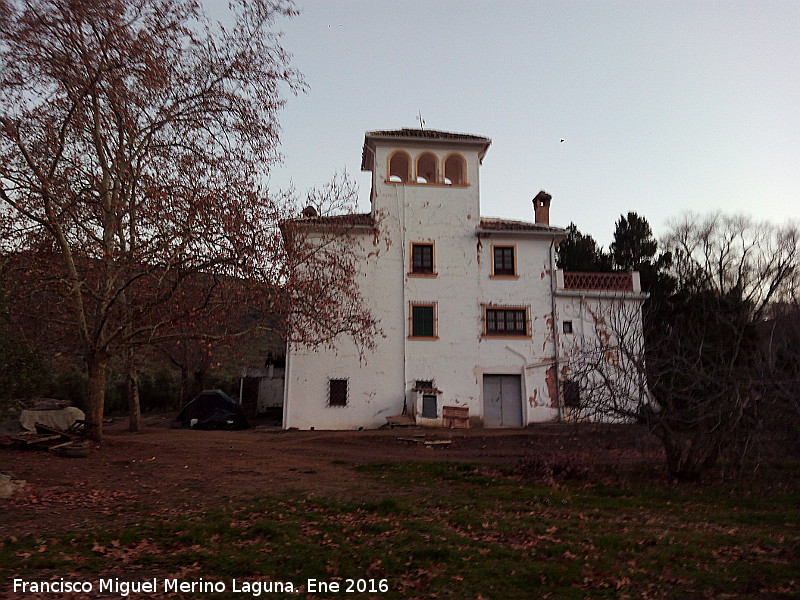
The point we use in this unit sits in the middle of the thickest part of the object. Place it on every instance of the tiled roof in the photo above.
(428, 134)
(493, 224)
(423, 135)
(349, 220)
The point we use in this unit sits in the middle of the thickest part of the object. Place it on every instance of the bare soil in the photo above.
(161, 471)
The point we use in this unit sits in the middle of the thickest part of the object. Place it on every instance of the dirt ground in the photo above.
(162, 471)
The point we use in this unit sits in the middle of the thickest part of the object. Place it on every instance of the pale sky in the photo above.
(663, 106)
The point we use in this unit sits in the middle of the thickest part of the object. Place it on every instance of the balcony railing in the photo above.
(615, 282)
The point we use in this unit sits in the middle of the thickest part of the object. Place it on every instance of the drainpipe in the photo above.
(580, 316)
(401, 215)
(555, 328)
(287, 379)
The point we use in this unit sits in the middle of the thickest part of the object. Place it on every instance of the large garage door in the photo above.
(502, 401)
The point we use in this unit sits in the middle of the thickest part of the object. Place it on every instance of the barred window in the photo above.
(572, 393)
(506, 321)
(337, 392)
(423, 320)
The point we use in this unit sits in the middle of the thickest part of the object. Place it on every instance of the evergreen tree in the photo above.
(635, 249)
(633, 243)
(579, 252)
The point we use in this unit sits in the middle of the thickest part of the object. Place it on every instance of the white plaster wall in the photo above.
(597, 321)
(375, 384)
(531, 357)
(381, 380)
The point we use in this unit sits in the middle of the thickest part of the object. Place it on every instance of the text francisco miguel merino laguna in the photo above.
(199, 586)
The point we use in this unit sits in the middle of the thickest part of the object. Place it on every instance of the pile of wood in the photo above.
(51, 438)
(400, 421)
(455, 417)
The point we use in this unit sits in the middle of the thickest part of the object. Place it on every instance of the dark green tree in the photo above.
(633, 243)
(579, 252)
(635, 249)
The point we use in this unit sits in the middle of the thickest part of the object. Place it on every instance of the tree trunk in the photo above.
(184, 393)
(199, 381)
(96, 366)
(134, 407)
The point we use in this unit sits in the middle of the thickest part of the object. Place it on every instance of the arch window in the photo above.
(427, 168)
(399, 167)
(455, 170)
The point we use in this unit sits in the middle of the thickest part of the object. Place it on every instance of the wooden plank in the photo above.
(46, 429)
(35, 438)
(61, 445)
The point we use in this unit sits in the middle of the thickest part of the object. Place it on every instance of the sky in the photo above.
(656, 107)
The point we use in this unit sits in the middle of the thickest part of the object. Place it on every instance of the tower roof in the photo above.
(420, 135)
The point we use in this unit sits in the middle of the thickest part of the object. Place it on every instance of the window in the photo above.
(504, 262)
(427, 168)
(422, 259)
(423, 321)
(337, 392)
(455, 170)
(572, 393)
(399, 167)
(430, 407)
(506, 321)
(430, 402)
(567, 326)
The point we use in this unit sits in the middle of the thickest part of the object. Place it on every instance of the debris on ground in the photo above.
(69, 442)
(422, 439)
(9, 486)
(400, 421)
(60, 417)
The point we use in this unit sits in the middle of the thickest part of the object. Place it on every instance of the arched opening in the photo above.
(427, 168)
(400, 167)
(455, 170)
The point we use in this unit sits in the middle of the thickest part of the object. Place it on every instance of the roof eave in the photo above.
(367, 155)
(559, 234)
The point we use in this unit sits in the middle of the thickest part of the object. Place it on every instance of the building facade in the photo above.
(477, 322)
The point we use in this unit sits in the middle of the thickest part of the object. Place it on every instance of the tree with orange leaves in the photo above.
(135, 136)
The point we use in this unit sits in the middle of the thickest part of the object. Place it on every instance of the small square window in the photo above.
(337, 392)
(567, 326)
(422, 259)
(506, 321)
(423, 320)
(503, 261)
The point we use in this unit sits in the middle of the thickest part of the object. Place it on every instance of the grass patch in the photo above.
(460, 531)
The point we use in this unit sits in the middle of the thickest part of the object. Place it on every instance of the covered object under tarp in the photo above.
(213, 409)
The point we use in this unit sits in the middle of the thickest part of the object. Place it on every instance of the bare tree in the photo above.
(757, 262)
(135, 136)
(699, 372)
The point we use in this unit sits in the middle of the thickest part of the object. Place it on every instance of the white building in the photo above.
(474, 313)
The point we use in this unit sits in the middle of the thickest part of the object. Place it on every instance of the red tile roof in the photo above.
(348, 220)
(428, 134)
(493, 224)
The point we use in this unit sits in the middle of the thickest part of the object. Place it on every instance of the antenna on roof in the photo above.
(420, 119)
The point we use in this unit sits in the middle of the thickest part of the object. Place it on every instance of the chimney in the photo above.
(541, 207)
